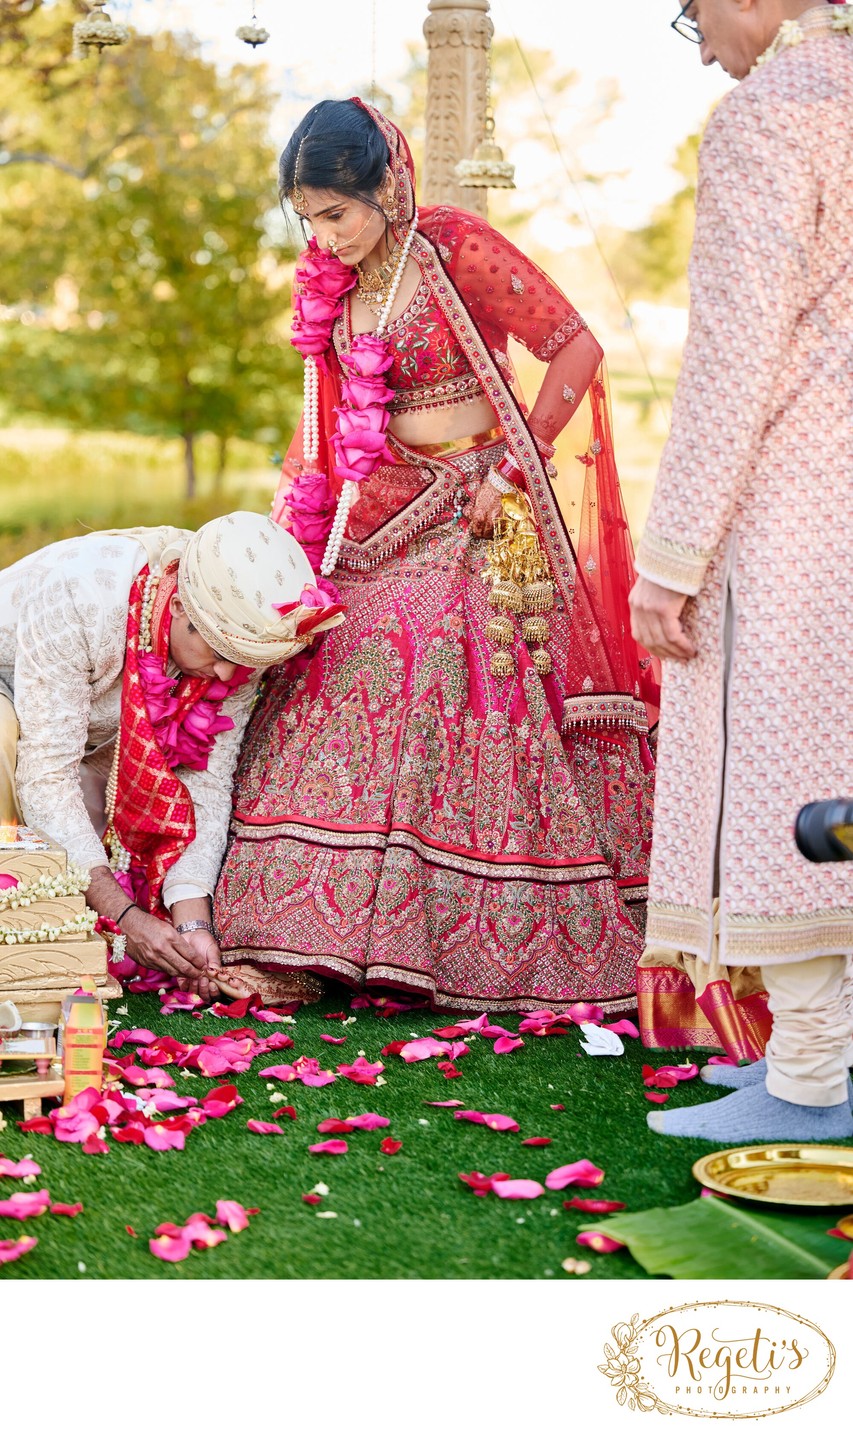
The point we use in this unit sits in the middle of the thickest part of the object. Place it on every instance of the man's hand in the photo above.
(156, 944)
(656, 621)
(207, 953)
(484, 511)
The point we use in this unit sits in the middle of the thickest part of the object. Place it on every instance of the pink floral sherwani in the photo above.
(754, 500)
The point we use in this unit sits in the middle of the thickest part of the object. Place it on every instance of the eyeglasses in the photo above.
(685, 25)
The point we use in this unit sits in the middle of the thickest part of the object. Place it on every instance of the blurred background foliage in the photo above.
(145, 372)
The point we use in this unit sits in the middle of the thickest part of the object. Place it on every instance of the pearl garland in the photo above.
(120, 858)
(311, 412)
(350, 488)
(56, 885)
(149, 594)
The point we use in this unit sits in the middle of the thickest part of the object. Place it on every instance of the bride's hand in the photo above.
(484, 511)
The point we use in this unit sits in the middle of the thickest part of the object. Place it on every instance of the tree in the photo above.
(653, 260)
(147, 290)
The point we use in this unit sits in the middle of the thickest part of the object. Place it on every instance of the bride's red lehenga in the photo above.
(402, 818)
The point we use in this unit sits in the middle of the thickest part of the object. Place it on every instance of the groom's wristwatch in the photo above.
(194, 925)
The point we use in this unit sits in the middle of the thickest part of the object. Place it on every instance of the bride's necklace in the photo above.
(374, 285)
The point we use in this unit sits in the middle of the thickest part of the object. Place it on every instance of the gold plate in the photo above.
(783, 1174)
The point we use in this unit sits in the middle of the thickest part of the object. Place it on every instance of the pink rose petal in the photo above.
(583, 1174)
(282, 1072)
(597, 1205)
(584, 1013)
(161, 1138)
(286, 1112)
(599, 1242)
(517, 1188)
(498, 1122)
(482, 1184)
(334, 1125)
(66, 1209)
(327, 1038)
(231, 1215)
(94, 1146)
(508, 1045)
(361, 1071)
(25, 1205)
(535, 1142)
(718, 1061)
(131, 1035)
(448, 1103)
(12, 1248)
(422, 1048)
(624, 1027)
(368, 1122)
(26, 1168)
(335, 1147)
(171, 1249)
(255, 1125)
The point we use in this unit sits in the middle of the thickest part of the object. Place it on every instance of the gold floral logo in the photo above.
(718, 1359)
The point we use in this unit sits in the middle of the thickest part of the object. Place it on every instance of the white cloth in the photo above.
(63, 623)
(808, 1051)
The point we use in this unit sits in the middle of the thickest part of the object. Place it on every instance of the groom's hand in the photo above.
(656, 621)
(154, 942)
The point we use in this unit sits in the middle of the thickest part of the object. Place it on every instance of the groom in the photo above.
(129, 661)
(745, 585)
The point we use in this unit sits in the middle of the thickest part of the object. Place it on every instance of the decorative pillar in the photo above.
(458, 35)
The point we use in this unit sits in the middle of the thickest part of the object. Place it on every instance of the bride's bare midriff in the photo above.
(431, 426)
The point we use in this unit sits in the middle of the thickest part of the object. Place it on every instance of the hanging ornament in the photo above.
(97, 31)
(253, 34)
(522, 588)
(487, 169)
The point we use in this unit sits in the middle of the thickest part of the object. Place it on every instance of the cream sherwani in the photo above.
(63, 622)
(754, 508)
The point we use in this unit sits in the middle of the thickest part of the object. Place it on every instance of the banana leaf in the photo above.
(713, 1238)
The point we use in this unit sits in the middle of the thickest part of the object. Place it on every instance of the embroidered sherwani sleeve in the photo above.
(71, 630)
(198, 867)
(756, 211)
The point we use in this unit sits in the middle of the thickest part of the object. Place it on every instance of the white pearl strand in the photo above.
(311, 411)
(350, 488)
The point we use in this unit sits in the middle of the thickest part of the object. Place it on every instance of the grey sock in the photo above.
(721, 1075)
(752, 1115)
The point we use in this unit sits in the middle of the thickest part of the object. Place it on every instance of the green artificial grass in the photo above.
(406, 1216)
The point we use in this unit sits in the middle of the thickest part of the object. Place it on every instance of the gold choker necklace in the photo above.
(374, 285)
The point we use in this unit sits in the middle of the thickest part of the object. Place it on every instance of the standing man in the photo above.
(746, 581)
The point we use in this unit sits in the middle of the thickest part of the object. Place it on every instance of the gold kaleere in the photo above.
(521, 585)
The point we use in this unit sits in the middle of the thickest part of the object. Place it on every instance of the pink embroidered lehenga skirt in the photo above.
(404, 820)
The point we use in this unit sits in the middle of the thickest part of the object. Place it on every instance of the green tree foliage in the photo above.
(653, 260)
(142, 285)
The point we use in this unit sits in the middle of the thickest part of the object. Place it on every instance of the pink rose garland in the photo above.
(358, 441)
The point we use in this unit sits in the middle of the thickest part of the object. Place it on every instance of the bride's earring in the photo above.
(390, 205)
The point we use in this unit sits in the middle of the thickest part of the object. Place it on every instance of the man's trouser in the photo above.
(810, 1048)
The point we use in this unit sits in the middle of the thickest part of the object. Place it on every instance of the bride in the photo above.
(452, 795)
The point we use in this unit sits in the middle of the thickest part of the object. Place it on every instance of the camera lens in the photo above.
(824, 831)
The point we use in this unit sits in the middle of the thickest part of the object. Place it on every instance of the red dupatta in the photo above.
(488, 291)
(152, 816)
